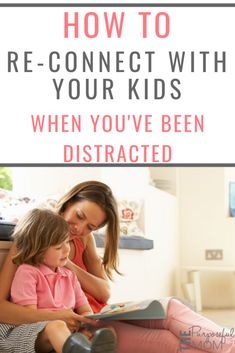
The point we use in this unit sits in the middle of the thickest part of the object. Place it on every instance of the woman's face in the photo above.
(83, 217)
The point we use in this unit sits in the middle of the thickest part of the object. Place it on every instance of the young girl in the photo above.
(41, 282)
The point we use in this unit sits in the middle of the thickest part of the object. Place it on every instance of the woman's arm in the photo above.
(95, 281)
(6, 274)
(73, 321)
(10, 313)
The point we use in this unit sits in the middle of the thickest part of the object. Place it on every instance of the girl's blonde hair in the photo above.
(35, 233)
(101, 194)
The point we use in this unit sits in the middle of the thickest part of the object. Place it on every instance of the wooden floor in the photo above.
(222, 317)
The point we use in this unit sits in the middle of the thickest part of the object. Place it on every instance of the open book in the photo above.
(146, 309)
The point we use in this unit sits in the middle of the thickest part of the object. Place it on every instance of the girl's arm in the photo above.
(73, 321)
(84, 310)
(16, 314)
(95, 281)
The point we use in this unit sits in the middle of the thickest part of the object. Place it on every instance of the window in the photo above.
(5, 178)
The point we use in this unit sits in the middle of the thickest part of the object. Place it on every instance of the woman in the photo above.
(87, 207)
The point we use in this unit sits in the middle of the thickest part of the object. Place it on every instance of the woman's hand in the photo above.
(70, 265)
(72, 319)
(93, 281)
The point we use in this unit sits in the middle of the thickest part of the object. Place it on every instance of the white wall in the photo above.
(166, 178)
(125, 182)
(152, 273)
(204, 224)
(44, 181)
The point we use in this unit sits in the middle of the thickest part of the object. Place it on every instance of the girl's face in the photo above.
(83, 217)
(57, 255)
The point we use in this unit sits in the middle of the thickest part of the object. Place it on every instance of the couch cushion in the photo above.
(6, 230)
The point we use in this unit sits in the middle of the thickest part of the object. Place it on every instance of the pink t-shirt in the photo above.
(46, 289)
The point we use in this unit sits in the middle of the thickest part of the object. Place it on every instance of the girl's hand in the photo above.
(72, 319)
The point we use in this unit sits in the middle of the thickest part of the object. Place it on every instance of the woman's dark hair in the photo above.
(102, 195)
